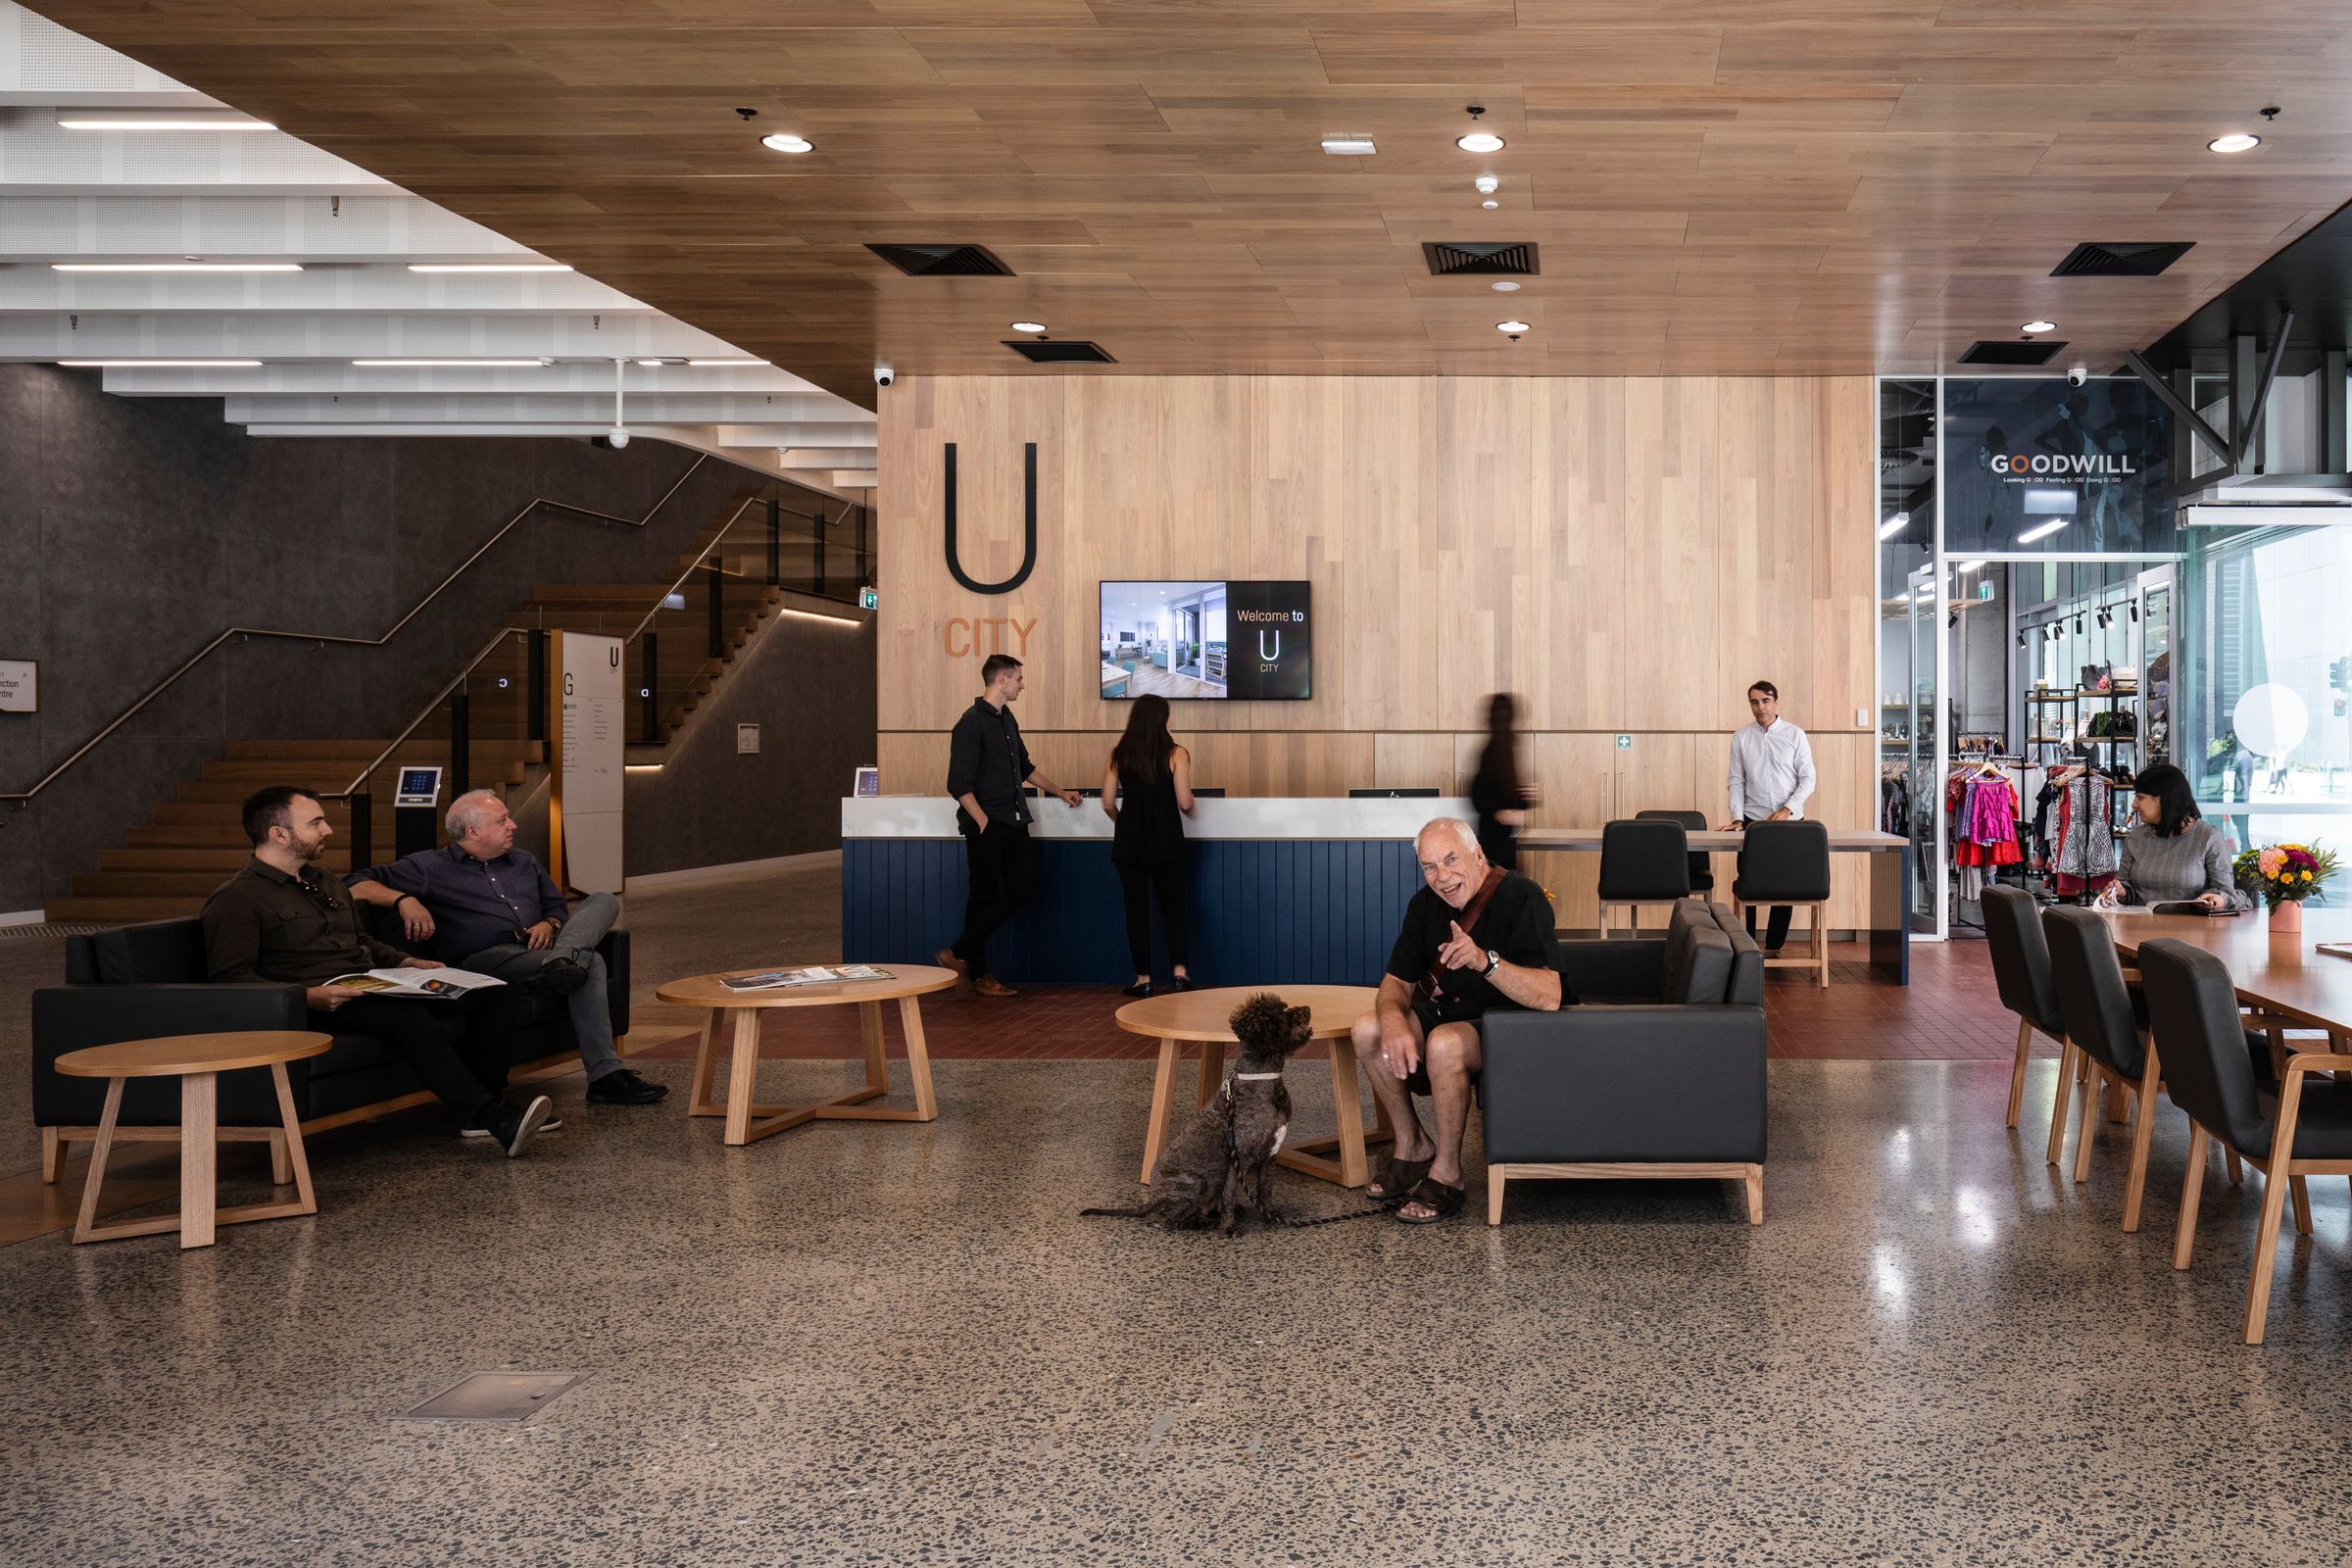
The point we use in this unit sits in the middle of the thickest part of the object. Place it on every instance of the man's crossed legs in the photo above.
(1443, 1060)
(570, 967)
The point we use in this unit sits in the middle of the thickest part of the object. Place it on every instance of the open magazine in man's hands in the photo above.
(432, 984)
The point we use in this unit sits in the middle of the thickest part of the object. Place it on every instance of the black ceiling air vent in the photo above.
(1047, 352)
(2119, 261)
(942, 260)
(1448, 260)
(2010, 352)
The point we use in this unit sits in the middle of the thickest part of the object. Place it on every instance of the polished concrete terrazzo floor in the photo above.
(897, 1344)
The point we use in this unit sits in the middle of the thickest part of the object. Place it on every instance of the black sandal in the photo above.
(1396, 1179)
(1445, 1200)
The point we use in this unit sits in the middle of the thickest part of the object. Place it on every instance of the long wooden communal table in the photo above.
(2281, 973)
(1889, 900)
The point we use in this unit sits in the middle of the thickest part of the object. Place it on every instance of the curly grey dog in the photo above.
(1222, 1164)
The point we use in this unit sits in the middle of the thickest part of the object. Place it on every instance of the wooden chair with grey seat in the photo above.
(1642, 862)
(1702, 864)
(2103, 1025)
(1788, 862)
(2020, 971)
(2210, 1059)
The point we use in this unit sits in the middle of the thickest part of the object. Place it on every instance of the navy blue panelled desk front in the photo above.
(1299, 892)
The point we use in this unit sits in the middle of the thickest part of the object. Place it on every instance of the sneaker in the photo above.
(624, 1088)
(563, 978)
(514, 1128)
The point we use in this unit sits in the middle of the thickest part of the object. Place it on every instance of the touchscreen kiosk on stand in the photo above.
(416, 807)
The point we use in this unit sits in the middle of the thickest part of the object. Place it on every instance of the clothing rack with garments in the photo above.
(2081, 805)
(1983, 799)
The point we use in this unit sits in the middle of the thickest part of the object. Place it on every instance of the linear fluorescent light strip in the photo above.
(175, 266)
(1349, 146)
(88, 121)
(2042, 530)
(706, 364)
(160, 365)
(488, 267)
(445, 365)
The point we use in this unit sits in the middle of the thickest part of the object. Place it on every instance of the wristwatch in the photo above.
(1493, 962)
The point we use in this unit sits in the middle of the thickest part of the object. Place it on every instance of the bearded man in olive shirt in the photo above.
(284, 920)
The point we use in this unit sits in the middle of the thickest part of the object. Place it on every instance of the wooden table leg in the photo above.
(706, 1066)
(1156, 1123)
(742, 1075)
(297, 1159)
(918, 1056)
(85, 1223)
(869, 1035)
(1212, 1071)
(198, 1155)
(1354, 1168)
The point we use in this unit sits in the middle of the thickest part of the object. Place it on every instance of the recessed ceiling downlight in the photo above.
(1511, 326)
(1506, 286)
(1480, 141)
(784, 143)
(1489, 204)
(2235, 142)
(2039, 326)
(1028, 326)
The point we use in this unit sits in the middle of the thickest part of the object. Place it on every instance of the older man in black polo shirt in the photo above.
(285, 919)
(987, 765)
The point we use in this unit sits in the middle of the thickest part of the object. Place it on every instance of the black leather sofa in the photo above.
(1658, 1071)
(142, 981)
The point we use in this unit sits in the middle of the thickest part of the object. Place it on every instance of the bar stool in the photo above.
(2021, 970)
(1642, 862)
(1702, 864)
(1788, 862)
(2102, 1024)
(2209, 1061)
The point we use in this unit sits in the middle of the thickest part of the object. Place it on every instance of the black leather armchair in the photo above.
(1658, 1072)
(142, 981)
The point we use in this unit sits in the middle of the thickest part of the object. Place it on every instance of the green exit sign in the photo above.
(868, 599)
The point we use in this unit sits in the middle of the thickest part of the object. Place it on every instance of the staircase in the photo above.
(194, 843)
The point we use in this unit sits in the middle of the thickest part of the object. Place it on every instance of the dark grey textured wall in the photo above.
(810, 687)
(132, 530)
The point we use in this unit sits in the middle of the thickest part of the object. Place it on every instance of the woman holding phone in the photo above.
(1147, 793)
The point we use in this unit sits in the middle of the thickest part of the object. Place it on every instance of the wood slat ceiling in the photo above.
(1719, 186)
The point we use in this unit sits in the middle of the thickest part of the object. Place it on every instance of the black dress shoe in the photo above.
(624, 1088)
(1142, 987)
(563, 978)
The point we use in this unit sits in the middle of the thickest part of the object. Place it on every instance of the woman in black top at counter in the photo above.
(1147, 793)
(1499, 793)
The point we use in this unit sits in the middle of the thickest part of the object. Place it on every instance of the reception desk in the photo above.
(1303, 891)
(1307, 891)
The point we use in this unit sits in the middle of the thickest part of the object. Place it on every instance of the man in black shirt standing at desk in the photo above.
(987, 765)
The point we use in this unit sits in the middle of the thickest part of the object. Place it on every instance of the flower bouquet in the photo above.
(2282, 876)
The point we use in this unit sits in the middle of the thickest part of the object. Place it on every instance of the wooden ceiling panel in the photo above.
(1717, 186)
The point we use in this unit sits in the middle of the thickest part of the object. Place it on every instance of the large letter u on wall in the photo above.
(1028, 526)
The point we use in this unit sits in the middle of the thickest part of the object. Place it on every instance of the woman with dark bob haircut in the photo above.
(2171, 854)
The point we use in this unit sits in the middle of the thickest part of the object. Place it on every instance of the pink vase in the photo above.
(2286, 916)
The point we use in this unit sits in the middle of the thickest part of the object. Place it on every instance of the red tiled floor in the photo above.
(1948, 1012)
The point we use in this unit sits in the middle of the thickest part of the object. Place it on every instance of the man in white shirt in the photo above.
(1771, 779)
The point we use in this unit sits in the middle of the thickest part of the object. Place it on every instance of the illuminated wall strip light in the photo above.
(175, 266)
(810, 615)
(93, 122)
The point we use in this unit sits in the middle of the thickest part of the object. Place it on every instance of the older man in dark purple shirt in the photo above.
(490, 907)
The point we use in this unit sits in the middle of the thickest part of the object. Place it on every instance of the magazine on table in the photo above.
(432, 984)
(816, 974)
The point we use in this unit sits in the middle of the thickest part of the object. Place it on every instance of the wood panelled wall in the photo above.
(1626, 554)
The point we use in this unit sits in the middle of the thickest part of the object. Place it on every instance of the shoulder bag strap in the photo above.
(1428, 988)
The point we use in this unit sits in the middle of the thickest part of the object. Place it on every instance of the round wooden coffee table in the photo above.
(197, 1061)
(907, 982)
(1201, 1016)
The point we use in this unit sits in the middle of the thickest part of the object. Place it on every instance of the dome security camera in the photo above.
(884, 375)
(2077, 374)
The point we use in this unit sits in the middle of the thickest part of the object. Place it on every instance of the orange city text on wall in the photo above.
(978, 636)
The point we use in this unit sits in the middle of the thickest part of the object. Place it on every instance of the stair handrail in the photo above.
(431, 705)
(22, 797)
(716, 539)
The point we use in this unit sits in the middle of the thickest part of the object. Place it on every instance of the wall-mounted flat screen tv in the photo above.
(1217, 640)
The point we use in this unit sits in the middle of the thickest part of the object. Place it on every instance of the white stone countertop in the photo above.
(933, 817)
